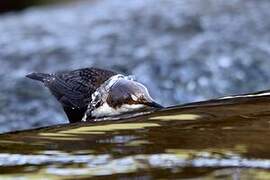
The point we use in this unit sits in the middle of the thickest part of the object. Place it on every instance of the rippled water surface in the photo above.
(226, 138)
(182, 50)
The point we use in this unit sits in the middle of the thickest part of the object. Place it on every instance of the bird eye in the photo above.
(134, 97)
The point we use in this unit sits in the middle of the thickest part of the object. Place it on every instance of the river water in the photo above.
(182, 50)
(219, 139)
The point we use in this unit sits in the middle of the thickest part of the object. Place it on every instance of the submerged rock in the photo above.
(184, 51)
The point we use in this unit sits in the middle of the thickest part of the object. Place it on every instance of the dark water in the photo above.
(220, 139)
(182, 50)
(14, 5)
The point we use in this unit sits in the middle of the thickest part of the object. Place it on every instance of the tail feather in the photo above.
(38, 76)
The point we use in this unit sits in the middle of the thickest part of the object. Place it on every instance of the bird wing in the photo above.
(74, 88)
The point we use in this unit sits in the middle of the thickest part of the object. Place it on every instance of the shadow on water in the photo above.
(224, 138)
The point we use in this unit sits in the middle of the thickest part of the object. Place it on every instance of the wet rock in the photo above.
(183, 51)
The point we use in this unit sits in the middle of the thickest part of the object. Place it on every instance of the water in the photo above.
(182, 50)
(220, 139)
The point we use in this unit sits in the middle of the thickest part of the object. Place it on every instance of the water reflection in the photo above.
(217, 138)
(183, 117)
(95, 165)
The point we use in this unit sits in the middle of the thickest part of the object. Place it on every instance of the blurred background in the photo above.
(182, 50)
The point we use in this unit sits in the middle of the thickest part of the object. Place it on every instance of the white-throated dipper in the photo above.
(92, 93)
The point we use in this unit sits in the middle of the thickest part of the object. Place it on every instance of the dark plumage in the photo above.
(122, 91)
(93, 93)
(73, 89)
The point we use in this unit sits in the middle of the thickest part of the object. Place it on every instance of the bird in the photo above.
(90, 93)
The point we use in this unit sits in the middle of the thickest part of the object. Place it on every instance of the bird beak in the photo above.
(154, 104)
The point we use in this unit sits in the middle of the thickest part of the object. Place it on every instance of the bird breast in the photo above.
(106, 110)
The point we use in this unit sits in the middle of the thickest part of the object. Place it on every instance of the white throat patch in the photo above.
(106, 110)
(100, 96)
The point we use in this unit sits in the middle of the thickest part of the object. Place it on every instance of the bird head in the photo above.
(130, 93)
